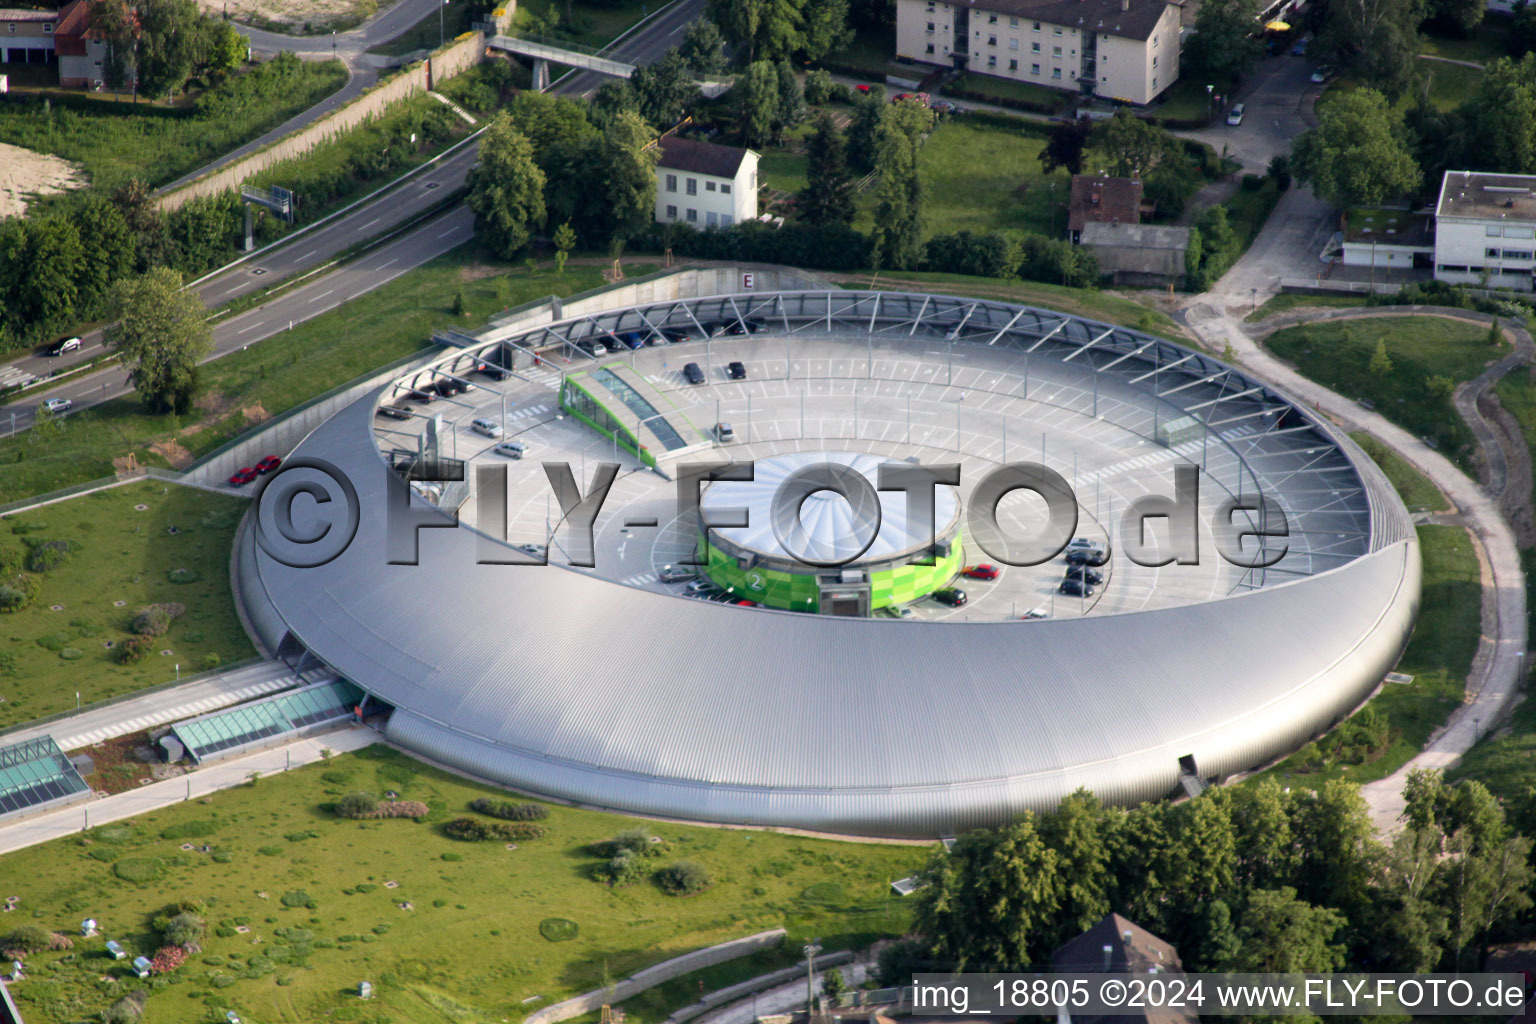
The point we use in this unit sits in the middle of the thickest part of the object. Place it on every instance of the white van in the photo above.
(490, 428)
(511, 449)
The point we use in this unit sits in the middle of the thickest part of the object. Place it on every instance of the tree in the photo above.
(989, 897)
(868, 108)
(897, 237)
(825, 28)
(1202, 830)
(1500, 118)
(1375, 40)
(832, 985)
(1065, 144)
(759, 29)
(171, 44)
(1266, 855)
(1381, 363)
(1338, 848)
(1224, 46)
(663, 89)
(162, 332)
(1521, 35)
(612, 98)
(1075, 831)
(565, 241)
(116, 22)
(791, 99)
(703, 47)
(1410, 927)
(46, 287)
(1129, 147)
(828, 194)
(1284, 934)
(629, 178)
(1356, 155)
(818, 86)
(1458, 17)
(110, 255)
(1219, 946)
(506, 189)
(755, 98)
(226, 48)
(549, 121)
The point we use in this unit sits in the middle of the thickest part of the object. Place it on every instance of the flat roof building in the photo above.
(1485, 229)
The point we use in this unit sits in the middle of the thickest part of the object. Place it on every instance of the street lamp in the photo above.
(1210, 102)
(440, 36)
(810, 950)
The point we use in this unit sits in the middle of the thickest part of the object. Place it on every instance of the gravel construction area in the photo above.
(25, 175)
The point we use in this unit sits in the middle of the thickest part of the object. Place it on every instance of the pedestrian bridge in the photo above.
(543, 54)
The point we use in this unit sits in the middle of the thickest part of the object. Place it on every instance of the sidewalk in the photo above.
(204, 781)
(786, 998)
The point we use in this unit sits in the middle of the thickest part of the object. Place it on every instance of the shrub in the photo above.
(167, 959)
(558, 929)
(818, 86)
(685, 878)
(19, 592)
(210, 660)
(157, 618)
(47, 555)
(1251, 182)
(134, 648)
(465, 830)
(128, 1009)
(634, 840)
(29, 938)
(184, 929)
(510, 811)
(296, 898)
(139, 869)
(356, 805)
(468, 830)
(400, 809)
(624, 868)
(196, 829)
(182, 575)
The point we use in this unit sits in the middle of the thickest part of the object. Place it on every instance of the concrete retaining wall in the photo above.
(456, 57)
(653, 976)
(721, 997)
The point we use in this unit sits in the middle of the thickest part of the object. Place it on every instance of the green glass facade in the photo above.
(577, 401)
(800, 591)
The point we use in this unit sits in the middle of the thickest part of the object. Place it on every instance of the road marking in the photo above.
(450, 231)
(381, 266)
(371, 223)
(307, 255)
(248, 327)
(322, 295)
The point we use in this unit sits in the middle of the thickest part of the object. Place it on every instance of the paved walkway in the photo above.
(161, 706)
(203, 782)
(1491, 689)
(786, 998)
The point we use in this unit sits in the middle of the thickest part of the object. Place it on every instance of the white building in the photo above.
(1125, 50)
(705, 185)
(1485, 229)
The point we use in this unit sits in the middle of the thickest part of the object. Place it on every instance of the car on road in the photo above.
(736, 371)
(700, 588)
(511, 449)
(1235, 115)
(723, 432)
(55, 406)
(486, 427)
(1300, 49)
(677, 574)
(394, 412)
(981, 572)
(693, 373)
(952, 596)
(241, 477)
(1075, 588)
(1087, 575)
(63, 345)
(1321, 75)
(268, 464)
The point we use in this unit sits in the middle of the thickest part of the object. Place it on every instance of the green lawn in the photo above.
(117, 142)
(1087, 302)
(286, 369)
(1248, 209)
(1187, 100)
(972, 174)
(121, 556)
(1484, 43)
(469, 949)
(783, 170)
(995, 87)
(1450, 85)
(1417, 491)
(1285, 302)
(873, 51)
(1439, 657)
(1339, 354)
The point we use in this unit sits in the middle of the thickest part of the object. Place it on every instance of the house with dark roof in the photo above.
(1126, 50)
(705, 185)
(1102, 199)
(1117, 946)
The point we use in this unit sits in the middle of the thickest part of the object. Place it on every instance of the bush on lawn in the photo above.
(138, 869)
(356, 805)
(509, 811)
(19, 592)
(134, 648)
(183, 930)
(167, 959)
(157, 618)
(558, 929)
(637, 841)
(29, 938)
(47, 555)
(623, 868)
(400, 809)
(468, 830)
(685, 878)
(128, 1009)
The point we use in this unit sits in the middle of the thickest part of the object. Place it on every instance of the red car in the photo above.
(916, 97)
(981, 572)
(268, 464)
(862, 87)
(747, 604)
(242, 477)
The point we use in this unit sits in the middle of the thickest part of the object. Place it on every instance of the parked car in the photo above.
(57, 405)
(1087, 575)
(511, 449)
(1035, 614)
(897, 611)
(63, 345)
(1235, 115)
(493, 372)
(713, 328)
(268, 464)
(674, 334)
(693, 374)
(861, 87)
(241, 477)
(981, 572)
(421, 394)
(914, 97)
(610, 342)
(700, 588)
(751, 325)
(723, 432)
(736, 371)
(1087, 552)
(449, 386)
(677, 574)
(633, 339)
(1321, 75)
(747, 604)
(755, 326)
(952, 596)
(1300, 49)
(394, 412)
(591, 347)
(1075, 588)
(489, 428)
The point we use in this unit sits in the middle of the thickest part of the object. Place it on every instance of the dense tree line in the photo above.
(1252, 878)
(163, 43)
